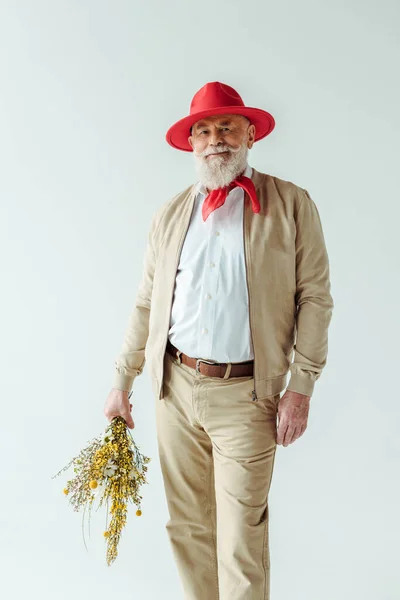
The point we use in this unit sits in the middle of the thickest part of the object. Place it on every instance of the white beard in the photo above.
(215, 173)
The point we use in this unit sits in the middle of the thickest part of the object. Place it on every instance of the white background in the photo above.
(88, 91)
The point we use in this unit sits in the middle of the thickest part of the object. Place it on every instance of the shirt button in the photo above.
(204, 330)
(208, 296)
(217, 233)
(212, 264)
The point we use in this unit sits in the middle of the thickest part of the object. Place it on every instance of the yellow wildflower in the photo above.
(113, 473)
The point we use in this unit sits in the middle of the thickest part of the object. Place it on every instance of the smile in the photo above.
(216, 154)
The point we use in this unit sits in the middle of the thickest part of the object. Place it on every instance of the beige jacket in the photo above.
(290, 304)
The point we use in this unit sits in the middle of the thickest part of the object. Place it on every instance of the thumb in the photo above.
(128, 419)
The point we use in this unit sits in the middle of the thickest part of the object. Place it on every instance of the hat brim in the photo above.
(177, 135)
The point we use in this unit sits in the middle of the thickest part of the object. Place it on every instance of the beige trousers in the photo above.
(217, 450)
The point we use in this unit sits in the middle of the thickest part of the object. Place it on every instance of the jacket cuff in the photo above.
(123, 382)
(301, 384)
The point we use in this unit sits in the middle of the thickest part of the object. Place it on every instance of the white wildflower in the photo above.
(110, 468)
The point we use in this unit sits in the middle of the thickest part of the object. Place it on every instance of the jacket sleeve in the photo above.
(313, 299)
(131, 360)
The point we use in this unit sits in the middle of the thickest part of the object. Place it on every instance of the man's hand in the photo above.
(118, 405)
(293, 415)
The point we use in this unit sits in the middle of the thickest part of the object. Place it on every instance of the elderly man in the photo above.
(235, 284)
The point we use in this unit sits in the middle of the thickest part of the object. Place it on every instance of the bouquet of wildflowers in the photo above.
(110, 469)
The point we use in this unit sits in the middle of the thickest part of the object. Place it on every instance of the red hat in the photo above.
(217, 98)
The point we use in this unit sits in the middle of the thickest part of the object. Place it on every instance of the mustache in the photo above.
(219, 151)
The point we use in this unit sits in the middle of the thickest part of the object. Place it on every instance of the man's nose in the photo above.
(216, 138)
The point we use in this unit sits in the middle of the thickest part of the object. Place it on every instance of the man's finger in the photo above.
(289, 435)
(129, 420)
(281, 431)
(294, 436)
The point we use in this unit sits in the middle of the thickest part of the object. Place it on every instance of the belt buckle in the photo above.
(199, 360)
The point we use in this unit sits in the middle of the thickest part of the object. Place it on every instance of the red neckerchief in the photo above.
(216, 198)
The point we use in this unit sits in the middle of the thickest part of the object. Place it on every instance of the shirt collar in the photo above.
(200, 188)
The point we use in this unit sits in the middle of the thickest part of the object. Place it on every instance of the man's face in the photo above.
(220, 147)
(226, 131)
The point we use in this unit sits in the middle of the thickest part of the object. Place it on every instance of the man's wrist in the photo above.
(298, 396)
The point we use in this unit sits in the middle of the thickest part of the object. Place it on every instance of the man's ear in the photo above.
(252, 134)
(190, 140)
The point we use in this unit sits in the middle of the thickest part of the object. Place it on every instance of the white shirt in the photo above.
(210, 308)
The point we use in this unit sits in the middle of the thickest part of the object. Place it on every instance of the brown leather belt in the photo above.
(212, 368)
